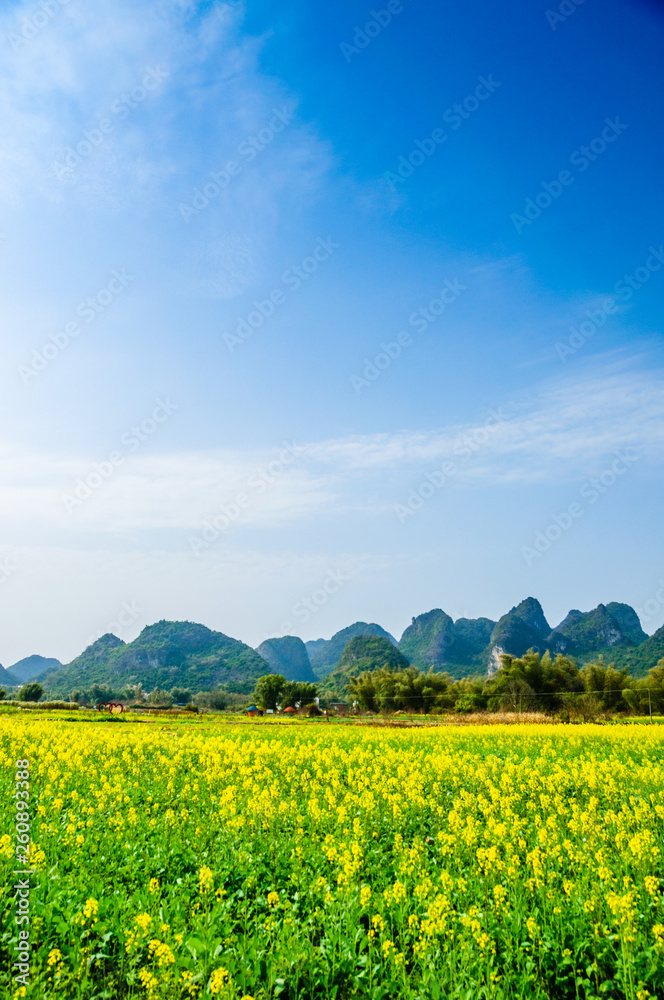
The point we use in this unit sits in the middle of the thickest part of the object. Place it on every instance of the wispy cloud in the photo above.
(562, 433)
(88, 65)
(556, 431)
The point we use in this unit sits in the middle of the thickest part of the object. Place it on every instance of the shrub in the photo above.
(30, 692)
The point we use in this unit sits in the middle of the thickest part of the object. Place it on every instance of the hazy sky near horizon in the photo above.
(322, 313)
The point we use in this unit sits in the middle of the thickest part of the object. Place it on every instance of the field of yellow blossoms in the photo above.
(301, 861)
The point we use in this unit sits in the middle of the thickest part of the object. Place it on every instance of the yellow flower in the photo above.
(161, 952)
(149, 981)
(154, 886)
(365, 895)
(273, 899)
(652, 884)
(54, 956)
(205, 879)
(218, 980)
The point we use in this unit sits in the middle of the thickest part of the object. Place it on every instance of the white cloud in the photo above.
(554, 433)
(79, 68)
(565, 432)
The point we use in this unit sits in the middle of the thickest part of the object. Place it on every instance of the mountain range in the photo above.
(186, 655)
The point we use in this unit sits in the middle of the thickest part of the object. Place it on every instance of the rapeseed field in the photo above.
(310, 861)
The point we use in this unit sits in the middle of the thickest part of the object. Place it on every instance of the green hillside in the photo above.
(637, 659)
(287, 655)
(459, 647)
(165, 655)
(324, 654)
(362, 653)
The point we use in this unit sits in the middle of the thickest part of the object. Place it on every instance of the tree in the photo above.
(606, 684)
(134, 692)
(586, 707)
(273, 689)
(158, 697)
(2, 693)
(101, 693)
(518, 696)
(469, 695)
(216, 699)
(548, 679)
(650, 690)
(296, 693)
(30, 692)
(181, 696)
(409, 690)
(268, 690)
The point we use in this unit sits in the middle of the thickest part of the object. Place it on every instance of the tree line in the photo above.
(528, 683)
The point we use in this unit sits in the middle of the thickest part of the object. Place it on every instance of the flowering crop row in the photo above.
(303, 862)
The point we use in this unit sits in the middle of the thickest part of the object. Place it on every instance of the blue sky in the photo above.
(309, 318)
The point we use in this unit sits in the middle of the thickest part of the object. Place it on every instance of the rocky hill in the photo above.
(287, 655)
(604, 626)
(608, 630)
(524, 627)
(474, 646)
(190, 656)
(165, 655)
(458, 647)
(325, 654)
(363, 652)
(638, 659)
